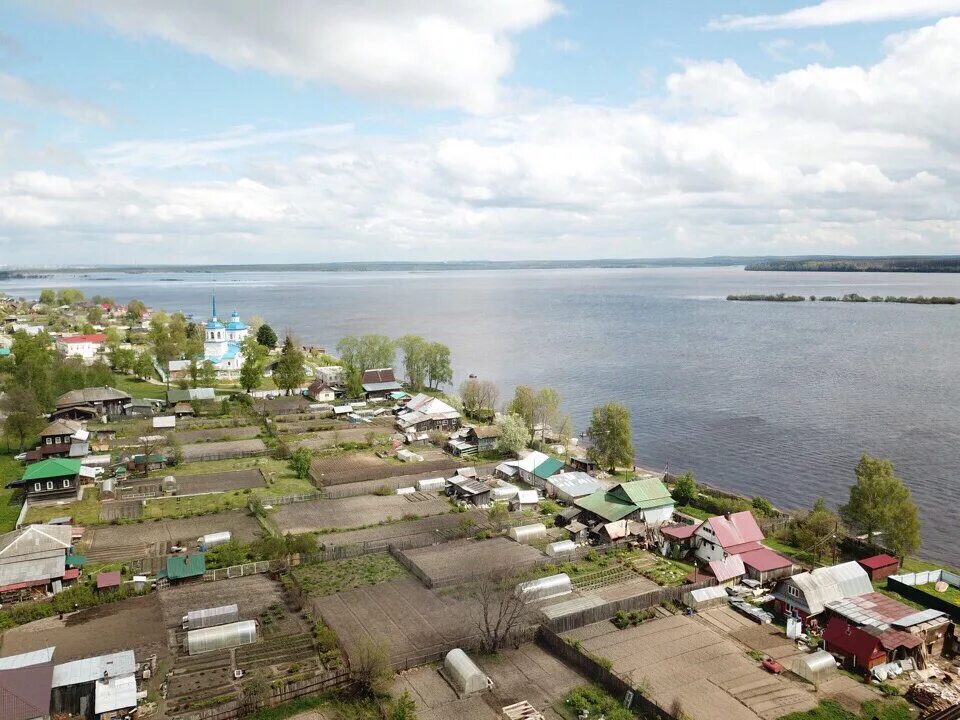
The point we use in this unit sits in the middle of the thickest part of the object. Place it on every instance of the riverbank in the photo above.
(849, 298)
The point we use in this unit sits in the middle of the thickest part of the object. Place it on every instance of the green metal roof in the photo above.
(76, 560)
(645, 493)
(180, 567)
(606, 505)
(53, 468)
(550, 466)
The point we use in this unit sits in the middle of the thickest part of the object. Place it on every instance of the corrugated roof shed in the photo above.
(645, 493)
(90, 669)
(879, 561)
(118, 693)
(547, 468)
(574, 484)
(763, 559)
(34, 657)
(727, 569)
(181, 567)
(52, 468)
(25, 692)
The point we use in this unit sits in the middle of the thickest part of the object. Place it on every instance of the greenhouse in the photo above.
(220, 637)
(816, 667)
(561, 547)
(528, 533)
(196, 619)
(431, 484)
(546, 587)
(463, 673)
(213, 539)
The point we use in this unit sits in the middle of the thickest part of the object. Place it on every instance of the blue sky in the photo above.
(134, 131)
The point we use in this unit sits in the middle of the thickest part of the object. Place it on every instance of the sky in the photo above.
(240, 131)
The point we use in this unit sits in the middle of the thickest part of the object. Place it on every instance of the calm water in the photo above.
(764, 398)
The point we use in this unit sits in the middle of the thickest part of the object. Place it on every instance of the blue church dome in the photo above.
(214, 325)
(235, 323)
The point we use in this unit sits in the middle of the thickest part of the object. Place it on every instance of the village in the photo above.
(232, 522)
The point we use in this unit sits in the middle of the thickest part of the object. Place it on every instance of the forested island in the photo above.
(926, 264)
(849, 297)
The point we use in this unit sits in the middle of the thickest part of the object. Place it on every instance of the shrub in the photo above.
(383, 491)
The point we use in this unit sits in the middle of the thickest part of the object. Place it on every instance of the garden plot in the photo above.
(427, 531)
(109, 543)
(126, 625)
(220, 450)
(456, 562)
(414, 621)
(252, 594)
(354, 512)
(219, 481)
(681, 660)
(527, 673)
(357, 467)
(332, 438)
(243, 432)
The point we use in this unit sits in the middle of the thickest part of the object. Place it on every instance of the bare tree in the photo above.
(500, 612)
(370, 665)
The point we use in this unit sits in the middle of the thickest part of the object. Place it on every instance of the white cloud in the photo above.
(18, 90)
(839, 12)
(839, 159)
(785, 50)
(448, 53)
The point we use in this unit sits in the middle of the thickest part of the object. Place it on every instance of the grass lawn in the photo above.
(10, 469)
(138, 388)
(335, 576)
(84, 512)
(829, 710)
(693, 512)
(952, 595)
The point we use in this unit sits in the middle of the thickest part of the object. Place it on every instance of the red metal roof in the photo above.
(25, 692)
(378, 376)
(97, 338)
(680, 532)
(879, 561)
(24, 585)
(892, 639)
(764, 559)
(108, 579)
(728, 568)
(740, 528)
(71, 574)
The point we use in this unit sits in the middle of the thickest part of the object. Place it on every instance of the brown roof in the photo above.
(60, 427)
(85, 396)
(487, 431)
(25, 692)
(318, 386)
(378, 376)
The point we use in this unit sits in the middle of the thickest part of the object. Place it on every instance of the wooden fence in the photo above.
(329, 680)
(599, 613)
(619, 688)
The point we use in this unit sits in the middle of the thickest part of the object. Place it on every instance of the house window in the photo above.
(66, 483)
(37, 487)
(794, 591)
(49, 441)
(49, 484)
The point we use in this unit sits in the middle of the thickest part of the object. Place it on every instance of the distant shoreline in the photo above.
(848, 298)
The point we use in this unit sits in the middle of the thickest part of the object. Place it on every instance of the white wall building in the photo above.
(86, 347)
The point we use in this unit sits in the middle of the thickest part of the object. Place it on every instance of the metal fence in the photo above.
(236, 571)
(907, 583)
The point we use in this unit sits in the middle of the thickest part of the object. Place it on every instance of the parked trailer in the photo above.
(220, 637)
(209, 617)
(213, 539)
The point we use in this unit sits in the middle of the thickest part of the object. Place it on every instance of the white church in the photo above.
(222, 345)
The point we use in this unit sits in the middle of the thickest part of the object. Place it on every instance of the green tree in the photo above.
(34, 357)
(513, 434)
(524, 404)
(95, 315)
(69, 296)
(22, 413)
(251, 373)
(354, 383)
(207, 374)
(762, 506)
(300, 460)
(123, 359)
(143, 367)
(880, 502)
(439, 369)
(479, 398)
(376, 351)
(415, 360)
(135, 310)
(546, 411)
(48, 297)
(404, 707)
(611, 435)
(266, 336)
(289, 373)
(685, 489)
(817, 532)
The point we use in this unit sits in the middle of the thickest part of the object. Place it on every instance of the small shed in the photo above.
(528, 533)
(210, 617)
(108, 581)
(568, 486)
(545, 587)
(879, 567)
(468, 489)
(165, 422)
(463, 674)
(561, 547)
(184, 567)
(220, 637)
(525, 499)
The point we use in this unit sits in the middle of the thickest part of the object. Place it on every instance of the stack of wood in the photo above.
(932, 697)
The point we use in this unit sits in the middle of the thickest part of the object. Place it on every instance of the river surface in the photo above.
(778, 399)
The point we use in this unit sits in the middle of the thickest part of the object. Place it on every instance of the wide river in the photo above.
(778, 399)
